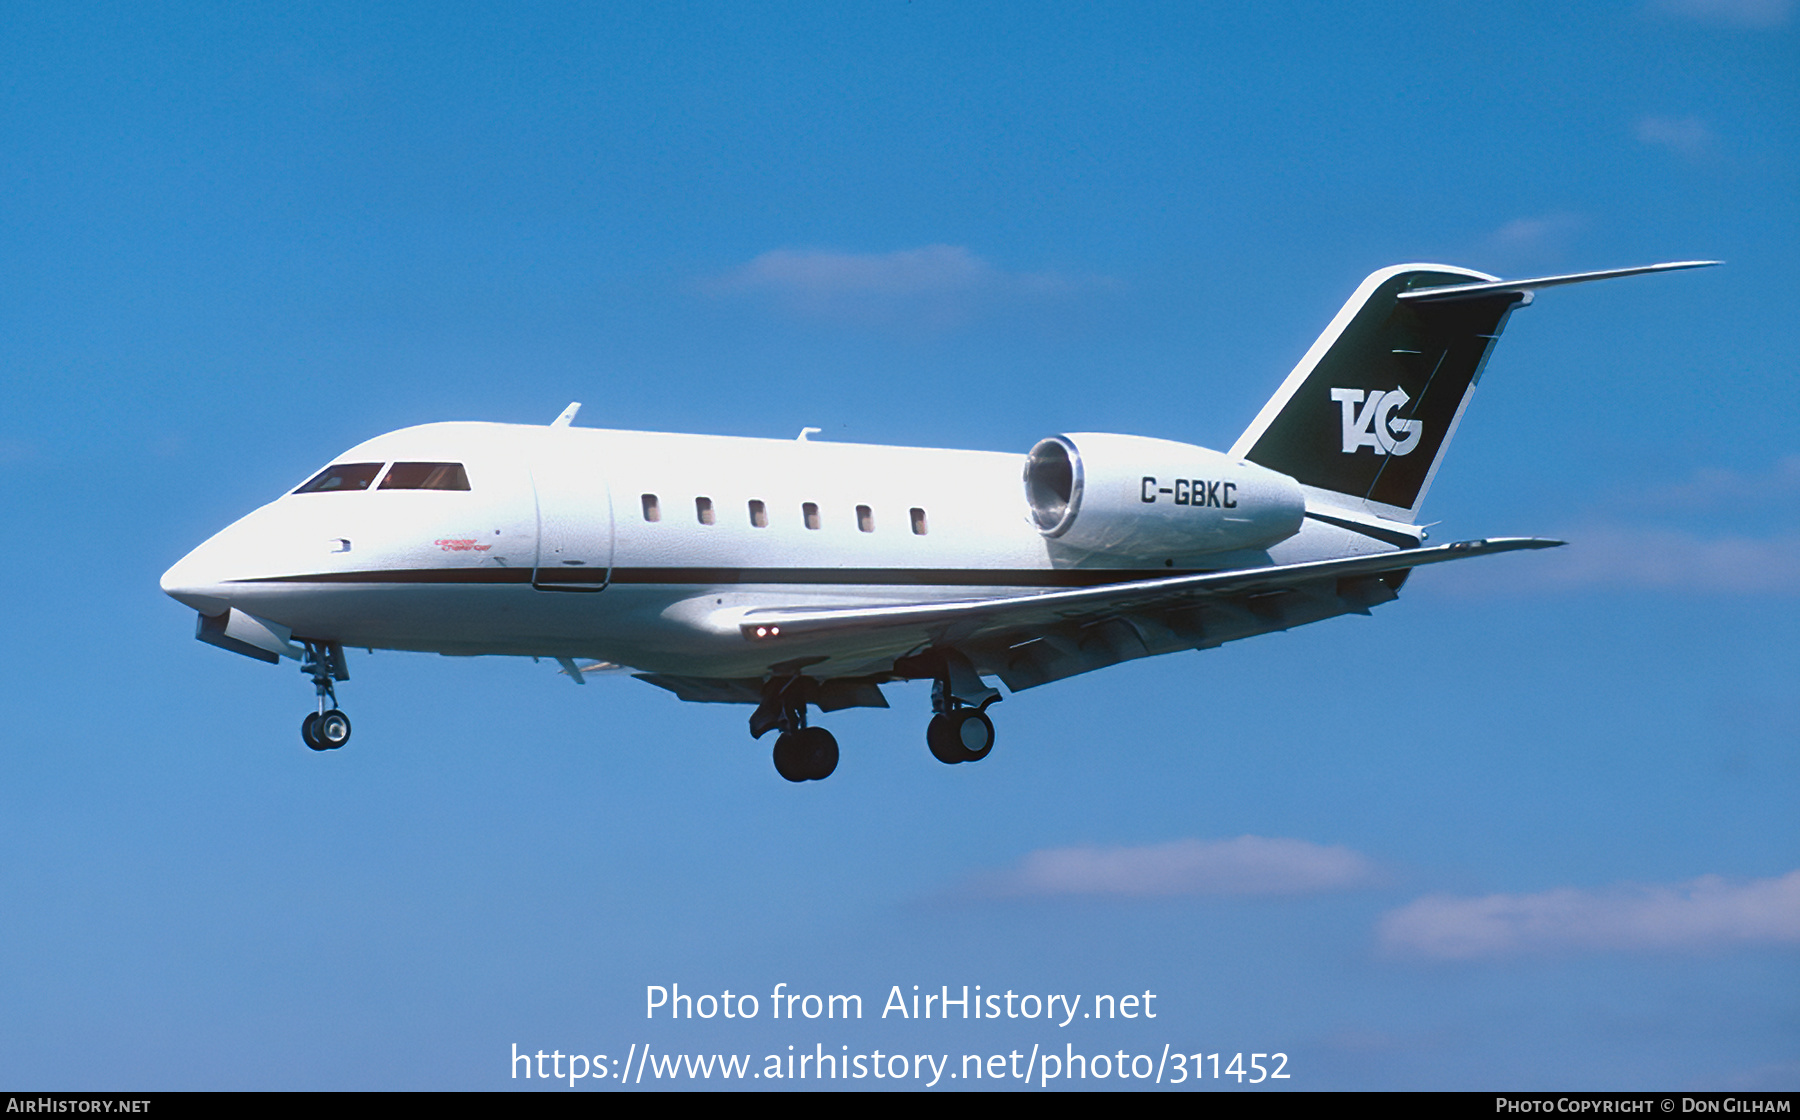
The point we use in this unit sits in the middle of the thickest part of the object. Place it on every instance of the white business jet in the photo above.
(797, 574)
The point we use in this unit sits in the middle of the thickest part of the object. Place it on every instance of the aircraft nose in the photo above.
(196, 581)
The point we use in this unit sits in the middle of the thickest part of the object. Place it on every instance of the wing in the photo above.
(1033, 639)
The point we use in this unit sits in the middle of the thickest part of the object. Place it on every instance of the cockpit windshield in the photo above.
(426, 476)
(342, 476)
(403, 476)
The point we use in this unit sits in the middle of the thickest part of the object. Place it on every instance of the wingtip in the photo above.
(1531, 542)
(1509, 544)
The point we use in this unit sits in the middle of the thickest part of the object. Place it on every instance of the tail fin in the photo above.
(1370, 409)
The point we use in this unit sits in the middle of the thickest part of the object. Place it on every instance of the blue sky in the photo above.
(1531, 826)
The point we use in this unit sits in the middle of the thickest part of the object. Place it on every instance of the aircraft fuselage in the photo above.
(629, 547)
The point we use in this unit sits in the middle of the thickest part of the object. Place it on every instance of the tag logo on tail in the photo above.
(1372, 425)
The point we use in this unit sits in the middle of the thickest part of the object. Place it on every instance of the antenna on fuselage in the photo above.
(804, 432)
(568, 415)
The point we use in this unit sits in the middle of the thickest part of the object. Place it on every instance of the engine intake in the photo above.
(1142, 498)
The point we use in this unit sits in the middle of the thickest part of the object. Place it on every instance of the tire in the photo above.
(941, 737)
(332, 730)
(819, 748)
(790, 757)
(307, 736)
(974, 734)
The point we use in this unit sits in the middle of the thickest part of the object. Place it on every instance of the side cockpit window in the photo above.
(426, 476)
(342, 476)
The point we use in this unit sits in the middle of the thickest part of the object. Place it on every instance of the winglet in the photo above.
(568, 415)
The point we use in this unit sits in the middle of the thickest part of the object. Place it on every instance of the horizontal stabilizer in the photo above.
(1472, 291)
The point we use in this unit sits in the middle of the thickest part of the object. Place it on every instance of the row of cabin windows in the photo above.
(759, 514)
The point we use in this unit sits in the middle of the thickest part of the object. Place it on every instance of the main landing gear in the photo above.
(807, 754)
(802, 753)
(326, 729)
(958, 732)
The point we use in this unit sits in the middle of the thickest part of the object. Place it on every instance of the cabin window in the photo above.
(810, 512)
(341, 476)
(652, 511)
(865, 519)
(759, 514)
(425, 476)
(918, 521)
(703, 510)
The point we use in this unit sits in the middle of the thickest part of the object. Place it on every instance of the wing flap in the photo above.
(829, 695)
(1054, 654)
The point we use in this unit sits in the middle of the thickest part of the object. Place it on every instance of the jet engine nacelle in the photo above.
(1131, 496)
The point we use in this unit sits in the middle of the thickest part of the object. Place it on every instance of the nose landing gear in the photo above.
(326, 729)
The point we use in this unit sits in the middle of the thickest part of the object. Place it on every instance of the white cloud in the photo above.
(1673, 560)
(935, 286)
(819, 274)
(1708, 913)
(1543, 236)
(1731, 13)
(1248, 865)
(1615, 553)
(1712, 486)
(1634, 558)
(1688, 136)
